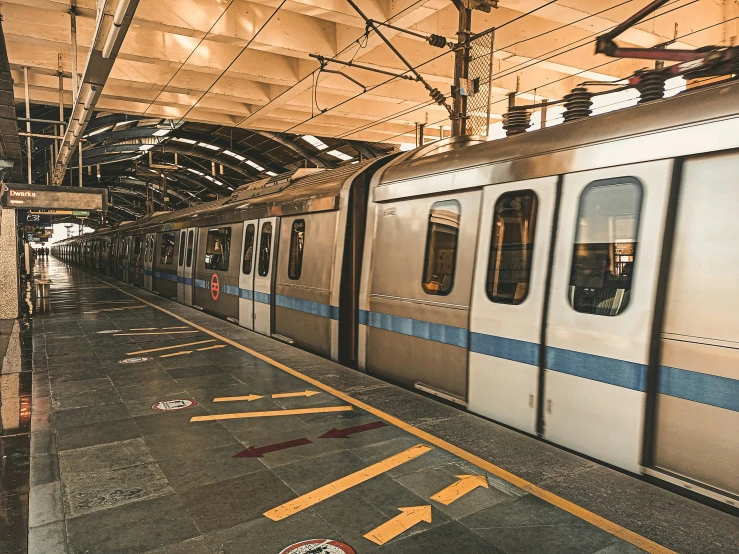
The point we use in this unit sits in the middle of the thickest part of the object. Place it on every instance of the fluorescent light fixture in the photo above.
(191, 170)
(208, 146)
(161, 133)
(146, 147)
(230, 188)
(271, 173)
(339, 154)
(185, 140)
(120, 12)
(315, 142)
(254, 165)
(234, 155)
(405, 146)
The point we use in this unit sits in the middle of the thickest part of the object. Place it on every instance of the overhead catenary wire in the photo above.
(523, 65)
(583, 71)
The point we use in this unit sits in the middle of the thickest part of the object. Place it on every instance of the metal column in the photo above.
(461, 70)
(28, 125)
(75, 75)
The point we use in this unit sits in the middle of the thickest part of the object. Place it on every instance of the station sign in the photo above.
(37, 219)
(18, 196)
(75, 213)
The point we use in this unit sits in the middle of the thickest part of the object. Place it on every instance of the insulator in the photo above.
(437, 96)
(577, 104)
(437, 40)
(516, 120)
(651, 86)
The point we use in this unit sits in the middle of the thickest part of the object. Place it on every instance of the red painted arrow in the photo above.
(344, 433)
(260, 451)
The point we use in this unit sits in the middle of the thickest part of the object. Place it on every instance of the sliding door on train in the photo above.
(185, 265)
(149, 262)
(601, 306)
(264, 275)
(246, 275)
(508, 299)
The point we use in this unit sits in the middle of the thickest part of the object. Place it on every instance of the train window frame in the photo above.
(580, 252)
(495, 254)
(181, 251)
(262, 260)
(190, 247)
(249, 248)
(221, 263)
(166, 257)
(432, 229)
(297, 248)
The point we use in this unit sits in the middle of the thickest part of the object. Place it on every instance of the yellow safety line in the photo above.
(176, 354)
(570, 507)
(180, 327)
(170, 347)
(145, 329)
(212, 347)
(345, 483)
(271, 413)
(157, 333)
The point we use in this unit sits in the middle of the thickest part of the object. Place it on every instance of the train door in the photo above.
(181, 267)
(149, 262)
(126, 259)
(246, 276)
(189, 268)
(508, 299)
(601, 305)
(263, 278)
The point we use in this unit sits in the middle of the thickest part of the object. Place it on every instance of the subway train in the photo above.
(578, 283)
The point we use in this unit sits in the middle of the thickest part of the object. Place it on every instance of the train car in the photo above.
(576, 283)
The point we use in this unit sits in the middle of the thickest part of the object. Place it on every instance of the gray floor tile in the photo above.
(89, 415)
(78, 463)
(132, 528)
(81, 436)
(450, 537)
(48, 539)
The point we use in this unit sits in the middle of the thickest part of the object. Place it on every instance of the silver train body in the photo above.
(578, 283)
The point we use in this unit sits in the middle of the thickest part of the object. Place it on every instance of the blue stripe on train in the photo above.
(308, 307)
(447, 334)
(699, 387)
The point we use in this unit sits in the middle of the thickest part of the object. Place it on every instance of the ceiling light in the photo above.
(271, 173)
(405, 146)
(315, 142)
(191, 170)
(208, 146)
(254, 165)
(185, 140)
(161, 133)
(234, 155)
(340, 155)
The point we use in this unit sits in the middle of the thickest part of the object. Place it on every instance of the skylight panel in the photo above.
(234, 155)
(339, 154)
(254, 165)
(315, 142)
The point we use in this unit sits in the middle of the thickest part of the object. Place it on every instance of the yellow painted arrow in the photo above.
(399, 524)
(457, 490)
(248, 398)
(251, 397)
(291, 394)
(345, 483)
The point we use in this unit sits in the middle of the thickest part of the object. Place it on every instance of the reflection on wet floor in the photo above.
(15, 425)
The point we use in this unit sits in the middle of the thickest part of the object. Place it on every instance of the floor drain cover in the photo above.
(319, 546)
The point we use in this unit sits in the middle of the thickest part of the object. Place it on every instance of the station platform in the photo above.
(157, 428)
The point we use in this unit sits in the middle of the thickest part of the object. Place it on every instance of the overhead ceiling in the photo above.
(217, 62)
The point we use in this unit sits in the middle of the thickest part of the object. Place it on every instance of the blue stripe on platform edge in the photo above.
(307, 306)
(447, 334)
(713, 390)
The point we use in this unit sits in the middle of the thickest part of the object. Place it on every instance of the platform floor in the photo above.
(131, 452)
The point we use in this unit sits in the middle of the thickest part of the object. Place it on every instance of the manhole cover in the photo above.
(175, 404)
(319, 546)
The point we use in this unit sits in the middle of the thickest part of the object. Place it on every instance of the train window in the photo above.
(166, 251)
(181, 257)
(441, 248)
(218, 249)
(511, 247)
(190, 243)
(297, 243)
(265, 249)
(138, 246)
(248, 249)
(605, 246)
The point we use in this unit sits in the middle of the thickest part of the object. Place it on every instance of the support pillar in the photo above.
(9, 265)
(28, 126)
(461, 70)
(75, 74)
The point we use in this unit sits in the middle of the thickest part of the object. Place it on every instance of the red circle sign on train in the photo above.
(173, 405)
(215, 286)
(319, 546)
